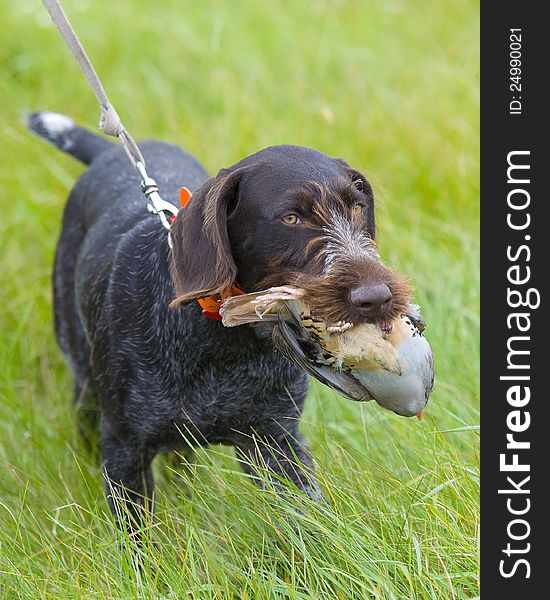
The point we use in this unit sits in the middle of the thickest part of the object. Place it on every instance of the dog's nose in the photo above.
(371, 300)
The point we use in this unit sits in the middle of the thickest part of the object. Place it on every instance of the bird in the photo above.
(392, 364)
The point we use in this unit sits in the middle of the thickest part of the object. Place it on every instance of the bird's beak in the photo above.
(287, 341)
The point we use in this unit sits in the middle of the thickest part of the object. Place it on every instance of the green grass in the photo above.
(392, 87)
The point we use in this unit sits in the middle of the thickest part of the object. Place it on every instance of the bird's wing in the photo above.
(287, 342)
(413, 312)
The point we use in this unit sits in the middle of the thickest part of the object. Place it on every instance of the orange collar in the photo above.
(211, 304)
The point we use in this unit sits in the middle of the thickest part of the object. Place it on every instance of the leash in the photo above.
(111, 124)
(109, 121)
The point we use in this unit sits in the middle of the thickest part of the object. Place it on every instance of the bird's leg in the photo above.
(339, 327)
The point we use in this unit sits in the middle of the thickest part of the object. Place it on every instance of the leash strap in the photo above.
(109, 121)
(111, 124)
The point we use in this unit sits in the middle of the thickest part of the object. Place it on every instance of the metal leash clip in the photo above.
(156, 205)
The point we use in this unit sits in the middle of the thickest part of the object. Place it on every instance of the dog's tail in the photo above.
(63, 133)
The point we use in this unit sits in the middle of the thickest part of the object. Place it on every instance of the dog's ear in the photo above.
(201, 259)
(362, 184)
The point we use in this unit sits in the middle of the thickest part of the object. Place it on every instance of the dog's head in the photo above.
(287, 215)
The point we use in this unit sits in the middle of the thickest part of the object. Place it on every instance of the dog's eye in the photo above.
(291, 219)
(358, 209)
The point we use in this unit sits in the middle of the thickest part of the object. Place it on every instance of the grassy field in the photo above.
(392, 87)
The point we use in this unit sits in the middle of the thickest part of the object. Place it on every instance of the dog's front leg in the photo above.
(285, 457)
(129, 480)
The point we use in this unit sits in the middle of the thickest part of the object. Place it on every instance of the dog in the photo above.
(162, 375)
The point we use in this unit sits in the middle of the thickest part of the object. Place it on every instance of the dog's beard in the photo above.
(328, 299)
(328, 294)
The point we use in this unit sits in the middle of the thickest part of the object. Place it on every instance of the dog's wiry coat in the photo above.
(160, 374)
